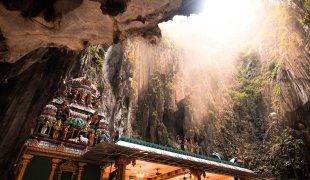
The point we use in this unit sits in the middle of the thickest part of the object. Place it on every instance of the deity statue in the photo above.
(64, 111)
(102, 132)
(75, 94)
(83, 94)
(85, 127)
(94, 119)
(88, 99)
(185, 144)
(65, 92)
(84, 131)
(69, 92)
(46, 124)
(65, 132)
(91, 138)
(196, 148)
(179, 141)
(57, 128)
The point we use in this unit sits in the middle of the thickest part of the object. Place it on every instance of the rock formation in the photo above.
(31, 70)
(77, 24)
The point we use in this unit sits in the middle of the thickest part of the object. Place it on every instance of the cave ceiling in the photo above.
(75, 24)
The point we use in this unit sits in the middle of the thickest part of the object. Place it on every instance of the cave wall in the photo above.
(26, 87)
(146, 95)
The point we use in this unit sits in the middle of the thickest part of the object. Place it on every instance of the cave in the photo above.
(204, 77)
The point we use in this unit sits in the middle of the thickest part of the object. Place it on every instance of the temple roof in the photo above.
(142, 150)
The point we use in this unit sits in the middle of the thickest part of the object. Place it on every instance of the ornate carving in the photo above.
(61, 147)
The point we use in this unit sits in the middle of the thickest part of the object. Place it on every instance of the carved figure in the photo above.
(196, 148)
(64, 111)
(88, 99)
(85, 127)
(76, 140)
(91, 138)
(94, 119)
(65, 132)
(75, 94)
(83, 96)
(57, 128)
(46, 124)
(83, 140)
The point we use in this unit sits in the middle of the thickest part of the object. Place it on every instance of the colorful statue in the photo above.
(83, 94)
(94, 119)
(57, 128)
(65, 132)
(88, 99)
(46, 124)
(85, 127)
(64, 111)
(75, 94)
(83, 140)
(91, 138)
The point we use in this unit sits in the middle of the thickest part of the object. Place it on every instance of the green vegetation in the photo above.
(280, 153)
(98, 54)
(307, 4)
(249, 82)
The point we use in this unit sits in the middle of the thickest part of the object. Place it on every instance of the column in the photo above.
(121, 164)
(55, 163)
(102, 170)
(197, 174)
(24, 163)
(81, 168)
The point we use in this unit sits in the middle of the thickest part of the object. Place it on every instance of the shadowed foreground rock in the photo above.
(24, 89)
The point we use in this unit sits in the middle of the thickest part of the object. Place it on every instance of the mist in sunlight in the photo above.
(210, 43)
(225, 26)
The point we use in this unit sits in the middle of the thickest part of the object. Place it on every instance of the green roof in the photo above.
(157, 146)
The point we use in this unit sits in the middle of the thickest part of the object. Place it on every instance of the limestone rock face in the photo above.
(25, 88)
(28, 25)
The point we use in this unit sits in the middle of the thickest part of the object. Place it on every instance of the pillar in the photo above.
(121, 164)
(24, 163)
(81, 168)
(197, 177)
(197, 174)
(55, 163)
(102, 171)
